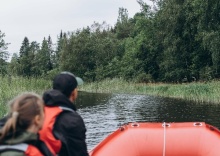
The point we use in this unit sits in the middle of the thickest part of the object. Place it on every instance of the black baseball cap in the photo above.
(66, 82)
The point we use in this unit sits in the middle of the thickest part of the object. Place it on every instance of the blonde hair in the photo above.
(23, 110)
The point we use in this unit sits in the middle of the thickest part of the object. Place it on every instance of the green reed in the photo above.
(13, 86)
(199, 92)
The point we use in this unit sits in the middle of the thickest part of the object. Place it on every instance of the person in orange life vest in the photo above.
(64, 129)
(19, 131)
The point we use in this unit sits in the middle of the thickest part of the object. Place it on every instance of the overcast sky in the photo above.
(37, 19)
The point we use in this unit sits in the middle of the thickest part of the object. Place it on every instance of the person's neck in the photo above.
(33, 129)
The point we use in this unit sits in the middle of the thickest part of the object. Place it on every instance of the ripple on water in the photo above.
(103, 113)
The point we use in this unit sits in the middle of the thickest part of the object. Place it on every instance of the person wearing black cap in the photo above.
(64, 130)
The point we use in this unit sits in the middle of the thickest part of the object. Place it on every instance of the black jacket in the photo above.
(69, 126)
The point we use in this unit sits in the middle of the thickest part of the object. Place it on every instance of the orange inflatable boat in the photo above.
(161, 139)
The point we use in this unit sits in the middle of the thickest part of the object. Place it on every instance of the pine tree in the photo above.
(3, 54)
(24, 58)
(56, 57)
(43, 58)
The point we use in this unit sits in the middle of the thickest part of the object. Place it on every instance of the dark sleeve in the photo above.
(70, 129)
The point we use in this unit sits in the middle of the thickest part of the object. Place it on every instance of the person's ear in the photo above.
(74, 95)
(37, 120)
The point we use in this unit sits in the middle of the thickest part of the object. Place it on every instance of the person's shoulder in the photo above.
(69, 114)
(69, 119)
(14, 153)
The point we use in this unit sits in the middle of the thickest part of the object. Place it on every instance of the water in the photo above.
(104, 113)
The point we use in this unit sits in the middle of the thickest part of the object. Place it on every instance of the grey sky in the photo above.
(37, 19)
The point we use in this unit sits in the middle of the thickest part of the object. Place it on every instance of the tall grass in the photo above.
(199, 92)
(12, 86)
(109, 86)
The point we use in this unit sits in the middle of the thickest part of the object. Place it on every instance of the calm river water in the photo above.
(104, 113)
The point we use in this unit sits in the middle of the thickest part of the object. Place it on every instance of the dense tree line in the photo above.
(170, 41)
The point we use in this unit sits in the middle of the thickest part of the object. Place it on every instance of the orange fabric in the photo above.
(46, 133)
(32, 151)
(153, 139)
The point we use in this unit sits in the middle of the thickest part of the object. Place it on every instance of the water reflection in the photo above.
(103, 113)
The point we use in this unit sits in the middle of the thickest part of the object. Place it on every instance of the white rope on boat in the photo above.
(164, 138)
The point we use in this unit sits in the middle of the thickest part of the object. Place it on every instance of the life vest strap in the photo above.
(66, 109)
(22, 147)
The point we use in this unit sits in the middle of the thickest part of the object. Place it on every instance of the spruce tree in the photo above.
(4, 54)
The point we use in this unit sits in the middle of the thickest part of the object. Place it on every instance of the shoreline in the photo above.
(201, 92)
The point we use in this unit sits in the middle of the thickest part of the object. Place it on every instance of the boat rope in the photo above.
(164, 138)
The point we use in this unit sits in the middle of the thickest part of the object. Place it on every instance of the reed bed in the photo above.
(199, 92)
(12, 86)
(196, 91)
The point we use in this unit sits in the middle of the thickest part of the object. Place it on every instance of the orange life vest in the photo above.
(29, 150)
(46, 133)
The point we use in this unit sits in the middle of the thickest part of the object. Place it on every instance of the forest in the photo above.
(171, 41)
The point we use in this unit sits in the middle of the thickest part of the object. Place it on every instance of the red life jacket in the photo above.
(46, 133)
(29, 150)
